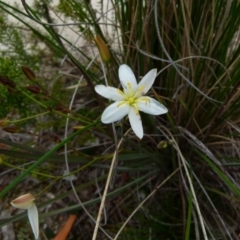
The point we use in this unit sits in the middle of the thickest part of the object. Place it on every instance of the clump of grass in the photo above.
(179, 182)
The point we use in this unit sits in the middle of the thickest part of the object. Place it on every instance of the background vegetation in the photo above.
(181, 181)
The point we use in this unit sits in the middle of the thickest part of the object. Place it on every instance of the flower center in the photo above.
(131, 100)
(131, 97)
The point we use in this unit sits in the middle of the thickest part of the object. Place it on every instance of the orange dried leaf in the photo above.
(64, 231)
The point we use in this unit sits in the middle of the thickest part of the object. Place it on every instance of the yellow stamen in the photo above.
(136, 109)
(120, 91)
(144, 99)
(139, 92)
(130, 93)
(121, 103)
(131, 98)
(140, 89)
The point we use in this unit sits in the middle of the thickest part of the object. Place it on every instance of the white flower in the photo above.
(131, 100)
(27, 202)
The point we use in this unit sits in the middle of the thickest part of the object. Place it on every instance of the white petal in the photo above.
(147, 81)
(136, 122)
(22, 207)
(151, 106)
(109, 92)
(115, 112)
(126, 76)
(33, 219)
(24, 201)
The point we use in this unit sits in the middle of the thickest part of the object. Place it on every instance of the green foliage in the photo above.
(14, 54)
(12, 100)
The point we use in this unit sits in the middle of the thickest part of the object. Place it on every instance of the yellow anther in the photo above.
(120, 91)
(144, 99)
(129, 85)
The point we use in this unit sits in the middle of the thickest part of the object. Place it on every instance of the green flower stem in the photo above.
(34, 100)
(42, 159)
(22, 169)
(27, 118)
(54, 111)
